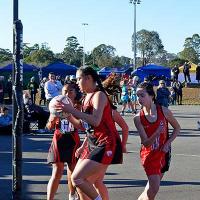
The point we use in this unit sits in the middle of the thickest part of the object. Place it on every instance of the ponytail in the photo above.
(90, 71)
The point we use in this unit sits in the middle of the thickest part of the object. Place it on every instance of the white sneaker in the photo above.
(73, 196)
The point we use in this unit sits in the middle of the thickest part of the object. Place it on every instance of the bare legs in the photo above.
(151, 188)
(54, 181)
(70, 169)
(80, 177)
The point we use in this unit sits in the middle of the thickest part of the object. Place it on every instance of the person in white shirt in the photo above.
(52, 88)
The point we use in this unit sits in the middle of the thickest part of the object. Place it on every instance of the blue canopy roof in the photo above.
(160, 72)
(26, 68)
(119, 70)
(59, 68)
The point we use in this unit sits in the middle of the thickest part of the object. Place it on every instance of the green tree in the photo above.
(73, 52)
(193, 42)
(103, 55)
(40, 56)
(189, 54)
(5, 56)
(148, 44)
(177, 61)
(163, 58)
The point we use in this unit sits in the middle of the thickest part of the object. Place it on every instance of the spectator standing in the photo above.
(186, 72)
(198, 73)
(42, 93)
(175, 71)
(179, 91)
(33, 89)
(172, 96)
(52, 87)
(163, 94)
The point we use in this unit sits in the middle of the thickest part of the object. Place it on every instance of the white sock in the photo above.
(98, 198)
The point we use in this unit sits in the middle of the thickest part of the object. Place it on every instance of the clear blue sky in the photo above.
(110, 22)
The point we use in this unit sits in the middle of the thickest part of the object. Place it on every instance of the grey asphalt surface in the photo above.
(125, 181)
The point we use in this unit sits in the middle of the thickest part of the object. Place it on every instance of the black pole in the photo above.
(17, 128)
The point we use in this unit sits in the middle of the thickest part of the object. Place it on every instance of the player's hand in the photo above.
(60, 107)
(79, 151)
(166, 147)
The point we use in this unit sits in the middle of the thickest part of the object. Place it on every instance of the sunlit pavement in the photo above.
(125, 181)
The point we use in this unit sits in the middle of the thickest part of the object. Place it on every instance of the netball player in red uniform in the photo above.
(63, 147)
(102, 145)
(152, 125)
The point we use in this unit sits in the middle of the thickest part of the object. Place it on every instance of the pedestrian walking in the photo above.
(64, 145)
(152, 125)
(102, 145)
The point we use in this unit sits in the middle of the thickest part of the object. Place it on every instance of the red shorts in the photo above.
(157, 162)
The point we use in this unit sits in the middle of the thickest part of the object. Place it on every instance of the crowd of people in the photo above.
(92, 110)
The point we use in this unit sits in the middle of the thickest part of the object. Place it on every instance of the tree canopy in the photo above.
(148, 44)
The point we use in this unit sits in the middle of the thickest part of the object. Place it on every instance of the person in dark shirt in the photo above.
(198, 73)
(163, 94)
(33, 112)
(33, 87)
(186, 72)
(175, 71)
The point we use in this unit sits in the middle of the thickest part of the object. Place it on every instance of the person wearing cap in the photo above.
(162, 94)
(73, 78)
(33, 88)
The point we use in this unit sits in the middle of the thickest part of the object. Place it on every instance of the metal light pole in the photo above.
(135, 2)
(17, 102)
(84, 25)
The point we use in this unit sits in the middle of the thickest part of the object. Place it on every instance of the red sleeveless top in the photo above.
(150, 127)
(105, 132)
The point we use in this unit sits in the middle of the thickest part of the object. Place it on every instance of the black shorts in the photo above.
(103, 153)
(167, 162)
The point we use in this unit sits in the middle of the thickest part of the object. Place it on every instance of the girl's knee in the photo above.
(76, 180)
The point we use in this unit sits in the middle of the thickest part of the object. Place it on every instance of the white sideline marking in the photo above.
(187, 155)
(177, 154)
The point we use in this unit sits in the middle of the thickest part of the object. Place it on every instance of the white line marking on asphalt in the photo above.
(187, 155)
(177, 154)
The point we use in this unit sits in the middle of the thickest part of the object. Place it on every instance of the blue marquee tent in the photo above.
(59, 68)
(152, 70)
(127, 69)
(26, 68)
